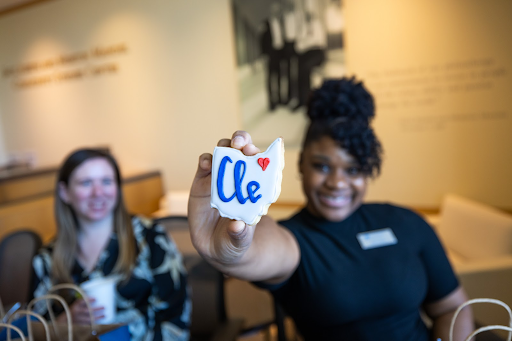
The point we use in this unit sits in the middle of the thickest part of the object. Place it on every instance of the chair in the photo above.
(478, 241)
(16, 252)
(209, 319)
(280, 316)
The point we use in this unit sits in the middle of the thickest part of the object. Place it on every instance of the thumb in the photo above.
(240, 234)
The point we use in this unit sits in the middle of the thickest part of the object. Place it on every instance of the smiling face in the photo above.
(331, 179)
(92, 190)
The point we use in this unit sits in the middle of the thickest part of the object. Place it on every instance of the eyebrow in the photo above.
(321, 157)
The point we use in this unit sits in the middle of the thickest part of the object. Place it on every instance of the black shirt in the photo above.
(342, 292)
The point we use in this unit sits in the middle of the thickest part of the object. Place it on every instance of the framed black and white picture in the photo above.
(284, 49)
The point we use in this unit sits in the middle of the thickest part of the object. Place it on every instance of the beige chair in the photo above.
(478, 241)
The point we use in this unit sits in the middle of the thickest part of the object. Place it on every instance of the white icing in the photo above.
(269, 180)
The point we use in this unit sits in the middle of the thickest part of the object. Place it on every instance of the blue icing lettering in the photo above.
(238, 181)
(220, 180)
(239, 175)
(252, 191)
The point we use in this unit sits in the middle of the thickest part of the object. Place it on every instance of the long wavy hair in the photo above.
(66, 245)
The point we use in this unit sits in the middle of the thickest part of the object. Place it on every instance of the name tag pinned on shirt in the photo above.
(376, 238)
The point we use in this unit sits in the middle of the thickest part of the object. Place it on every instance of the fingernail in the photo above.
(205, 164)
(238, 226)
(238, 142)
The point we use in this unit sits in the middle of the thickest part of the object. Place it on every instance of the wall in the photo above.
(3, 151)
(441, 72)
(166, 96)
(173, 93)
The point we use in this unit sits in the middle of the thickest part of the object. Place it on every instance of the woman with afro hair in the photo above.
(341, 268)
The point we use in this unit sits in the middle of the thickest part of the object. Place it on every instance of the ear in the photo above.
(63, 192)
(301, 165)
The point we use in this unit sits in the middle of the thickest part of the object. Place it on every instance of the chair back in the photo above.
(16, 252)
(280, 316)
(208, 309)
(209, 320)
(474, 230)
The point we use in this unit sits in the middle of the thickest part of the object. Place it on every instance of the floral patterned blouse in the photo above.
(154, 301)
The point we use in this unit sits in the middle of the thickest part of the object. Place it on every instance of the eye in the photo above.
(353, 170)
(108, 181)
(85, 183)
(321, 167)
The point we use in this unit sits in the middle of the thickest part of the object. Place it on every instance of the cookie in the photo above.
(243, 187)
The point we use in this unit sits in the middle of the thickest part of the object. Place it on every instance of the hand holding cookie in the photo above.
(230, 193)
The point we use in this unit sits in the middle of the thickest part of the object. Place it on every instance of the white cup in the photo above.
(103, 290)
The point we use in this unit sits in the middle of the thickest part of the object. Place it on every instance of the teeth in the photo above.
(339, 198)
(336, 201)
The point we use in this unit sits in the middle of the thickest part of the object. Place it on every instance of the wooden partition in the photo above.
(32, 206)
(18, 185)
(142, 192)
(35, 214)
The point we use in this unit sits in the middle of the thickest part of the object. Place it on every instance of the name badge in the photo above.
(376, 238)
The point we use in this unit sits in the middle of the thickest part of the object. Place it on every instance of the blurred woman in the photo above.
(97, 238)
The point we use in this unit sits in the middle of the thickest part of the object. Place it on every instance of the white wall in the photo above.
(3, 151)
(173, 96)
(441, 72)
(175, 92)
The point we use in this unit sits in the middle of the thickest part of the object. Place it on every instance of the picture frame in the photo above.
(284, 49)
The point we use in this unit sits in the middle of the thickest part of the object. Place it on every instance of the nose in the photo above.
(97, 189)
(337, 179)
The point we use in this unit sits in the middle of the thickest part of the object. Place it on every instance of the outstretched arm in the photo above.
(263, 252)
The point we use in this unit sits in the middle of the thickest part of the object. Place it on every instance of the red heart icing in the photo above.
(263, 162)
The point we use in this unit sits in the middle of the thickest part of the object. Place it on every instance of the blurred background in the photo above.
(158, 82)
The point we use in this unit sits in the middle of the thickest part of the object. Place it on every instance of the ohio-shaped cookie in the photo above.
(243, 187)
